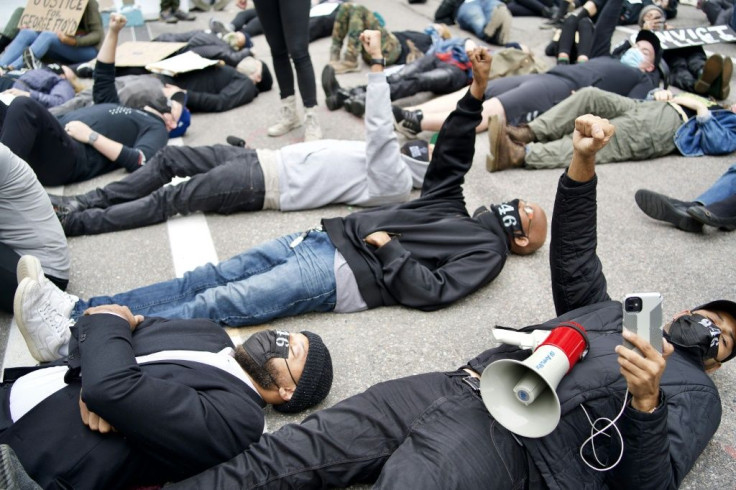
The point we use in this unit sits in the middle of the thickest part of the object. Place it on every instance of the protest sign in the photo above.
(53, 15)
(683, 37)
(142, 53)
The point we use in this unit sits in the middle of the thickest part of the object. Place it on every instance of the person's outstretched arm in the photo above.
(104, 90)
(388, 179)
(577, 273)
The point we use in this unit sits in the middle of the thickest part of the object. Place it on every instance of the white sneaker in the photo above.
(289, 118)
(41, 318)
(29, 266)
(312, 131)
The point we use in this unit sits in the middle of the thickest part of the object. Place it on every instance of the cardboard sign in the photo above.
(53, 15)
(140, 53)
(695, 36)
(182, 63)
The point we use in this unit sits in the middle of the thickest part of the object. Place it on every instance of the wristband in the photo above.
(378, 61)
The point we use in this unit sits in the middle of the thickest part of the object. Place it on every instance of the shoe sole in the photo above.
(494, 128)
(28, 266)
(24, 286)
(656, 207)
(726, 77)
(712, 68)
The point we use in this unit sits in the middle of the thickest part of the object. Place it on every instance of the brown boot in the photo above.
(347, 65)
(711, 70)
(504, 152)
(521, 134)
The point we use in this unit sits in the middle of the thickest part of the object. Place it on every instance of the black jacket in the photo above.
(438, 253)
(206, 45)
(174, 418)
(215, 89)
(659, 448)
(140, 132)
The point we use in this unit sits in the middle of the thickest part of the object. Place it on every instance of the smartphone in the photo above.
(643, 316)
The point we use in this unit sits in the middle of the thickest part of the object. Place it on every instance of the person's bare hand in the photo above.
(66, 38)
(481, 59)
(372, 43)
(78, 130)
(117, 310)
(591, 134)
(643, 371)
(17, 92)
(242, 4)
(92, 420)
(170, 90)
(117, 22)
(663, 95)
(377, 238)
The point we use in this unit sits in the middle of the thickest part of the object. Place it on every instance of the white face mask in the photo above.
(633, 58)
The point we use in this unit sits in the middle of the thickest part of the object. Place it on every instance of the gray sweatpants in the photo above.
(644, 129)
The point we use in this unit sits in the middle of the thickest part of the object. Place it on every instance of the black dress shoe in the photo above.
(707, 217)
(663, 208)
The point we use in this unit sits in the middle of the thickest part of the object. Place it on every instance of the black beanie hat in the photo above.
(316, 380)
(266, 79)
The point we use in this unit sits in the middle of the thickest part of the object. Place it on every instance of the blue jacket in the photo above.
(712, 134)
(46, 87)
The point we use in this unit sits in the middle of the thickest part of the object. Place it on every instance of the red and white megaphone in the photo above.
(521, 395)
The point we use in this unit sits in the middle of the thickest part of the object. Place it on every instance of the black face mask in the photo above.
(696, 334)
(509, 217)
(268, 344)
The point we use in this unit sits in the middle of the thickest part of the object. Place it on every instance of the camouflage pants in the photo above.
(353, 19)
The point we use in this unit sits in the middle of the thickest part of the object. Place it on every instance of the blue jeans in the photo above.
(43, 44)
(473, 15)
(724, 187)
(266, 282)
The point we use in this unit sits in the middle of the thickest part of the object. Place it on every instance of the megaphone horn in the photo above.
(521, 395)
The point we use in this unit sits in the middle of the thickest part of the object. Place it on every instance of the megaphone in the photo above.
(521, 395)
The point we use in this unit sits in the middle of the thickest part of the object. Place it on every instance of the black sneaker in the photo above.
(30, 61)
(408, 123)
(218, 27)
(663, 208)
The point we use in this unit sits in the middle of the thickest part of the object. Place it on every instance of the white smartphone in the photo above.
(643, 316)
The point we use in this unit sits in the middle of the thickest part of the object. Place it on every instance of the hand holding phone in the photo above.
(642, 314)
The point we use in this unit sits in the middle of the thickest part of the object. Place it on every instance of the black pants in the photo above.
(319, 27)
(685, 65)
(32, 133)
(429, 431)
(528, 8)
(427, 74)
(8, 282)
(225, 179)
(286, 25)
